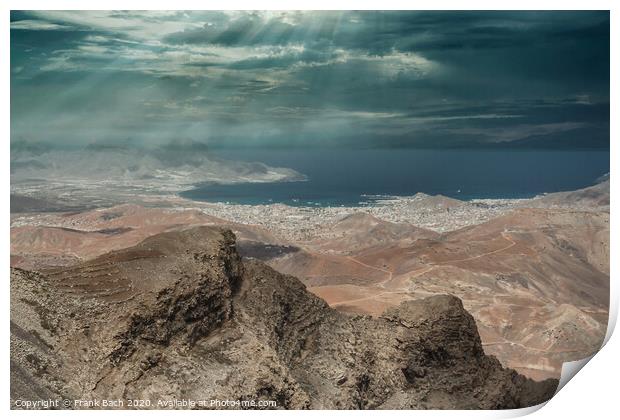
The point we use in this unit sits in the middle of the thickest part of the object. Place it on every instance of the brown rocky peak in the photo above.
(182, 314)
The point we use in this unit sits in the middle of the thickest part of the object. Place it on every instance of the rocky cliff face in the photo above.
(181, 316)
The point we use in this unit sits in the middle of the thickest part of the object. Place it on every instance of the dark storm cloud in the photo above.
(354, 79)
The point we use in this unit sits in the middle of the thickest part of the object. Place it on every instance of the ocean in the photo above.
(339, 177)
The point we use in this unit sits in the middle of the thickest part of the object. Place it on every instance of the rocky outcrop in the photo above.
(181, 316)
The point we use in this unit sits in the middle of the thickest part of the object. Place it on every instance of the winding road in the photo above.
(417, 273)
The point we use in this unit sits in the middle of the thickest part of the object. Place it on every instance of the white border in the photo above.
(593, 394)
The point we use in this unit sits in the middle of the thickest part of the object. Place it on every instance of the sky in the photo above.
(311, 79)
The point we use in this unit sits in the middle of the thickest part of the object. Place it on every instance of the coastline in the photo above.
(363, 259)
(298, 223)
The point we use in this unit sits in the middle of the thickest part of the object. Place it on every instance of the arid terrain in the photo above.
(381, 209)
(182, 316)
(534, 274)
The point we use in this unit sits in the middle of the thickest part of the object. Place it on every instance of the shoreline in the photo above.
(291, 223)
(330, 264)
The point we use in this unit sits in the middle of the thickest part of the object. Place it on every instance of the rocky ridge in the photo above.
(181, 315)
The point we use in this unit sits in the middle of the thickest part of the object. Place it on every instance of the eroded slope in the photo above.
(180, 315)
